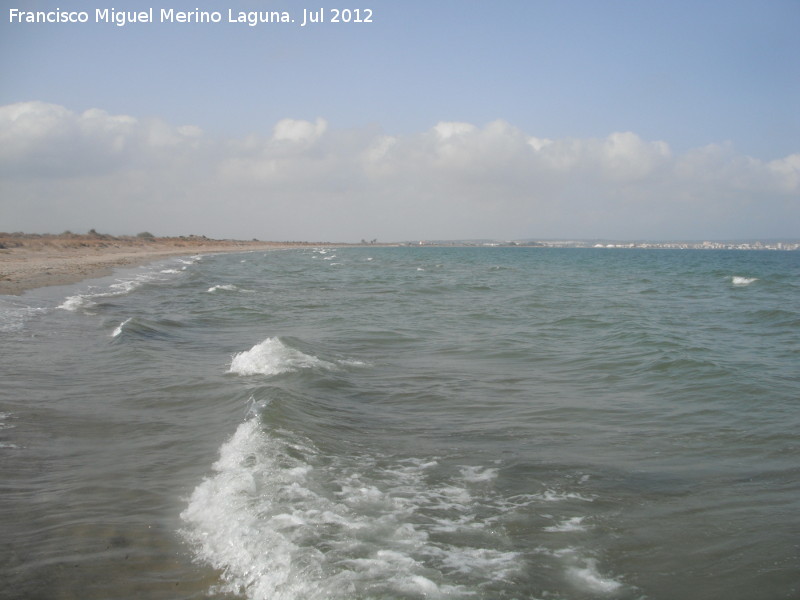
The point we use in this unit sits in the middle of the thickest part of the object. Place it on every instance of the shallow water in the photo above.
(406, 423)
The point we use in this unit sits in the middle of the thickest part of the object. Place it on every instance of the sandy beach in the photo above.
(29, 261)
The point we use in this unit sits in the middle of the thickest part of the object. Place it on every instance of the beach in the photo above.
(29, 261)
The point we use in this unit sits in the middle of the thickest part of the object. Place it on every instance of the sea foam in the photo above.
(272, 357)
(4, 416)
(13, 316)
(86, 301)
(120, 328)
(741, 281)
(226, 288)
(589, 578)
(571, 524)
(277, 526)
(78, 302)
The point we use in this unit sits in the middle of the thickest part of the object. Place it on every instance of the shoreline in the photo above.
(30, 261)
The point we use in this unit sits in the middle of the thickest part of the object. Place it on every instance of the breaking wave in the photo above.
(280, 521)
(272, 357)
(742, 281)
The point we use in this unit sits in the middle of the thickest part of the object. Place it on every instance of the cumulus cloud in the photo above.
(299, 131)
(60, 169)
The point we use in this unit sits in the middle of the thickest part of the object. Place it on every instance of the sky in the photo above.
(438, 119)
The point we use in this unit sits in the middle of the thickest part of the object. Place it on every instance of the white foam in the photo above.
(556, 496)
(571, 524)
(417, 584)
(14, 316)
(582, 572)
(737, 280)
(78, 302)
(351, 362)
(118, 331)
(476, 474)
(243, 518)
(191, 260)
(126, 286)
(272, 357)
(279, 528)
(501, 564)
(589, 578)
(568, 552)
(87, 300)
(227, 287)
(4, 425)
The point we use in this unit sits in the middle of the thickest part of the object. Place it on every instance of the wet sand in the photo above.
(29, 261)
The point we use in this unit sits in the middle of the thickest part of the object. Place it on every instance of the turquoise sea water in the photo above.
(406, 423)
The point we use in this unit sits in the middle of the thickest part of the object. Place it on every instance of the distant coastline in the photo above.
(29, 261)
(660, 245)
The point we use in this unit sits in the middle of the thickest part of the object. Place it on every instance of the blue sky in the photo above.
(705, 89)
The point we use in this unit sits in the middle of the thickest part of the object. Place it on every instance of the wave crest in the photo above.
(739, 280)
(273, 357)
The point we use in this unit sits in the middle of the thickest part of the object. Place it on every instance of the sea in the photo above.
(406, 423)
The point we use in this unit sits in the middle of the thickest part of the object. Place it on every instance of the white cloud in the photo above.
(65, 170)
(299, 131)
(447, 130)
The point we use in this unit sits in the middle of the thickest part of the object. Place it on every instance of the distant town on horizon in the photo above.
(641, 244)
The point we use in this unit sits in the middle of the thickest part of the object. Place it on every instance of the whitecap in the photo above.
(118, 331)
(120, 287)
(191, 260)
(589, 578)
(555, 496)
(227, 287)
(242, 519)
(265, 512)
(741, 281)
(501, 564)
(13, 316)
(417, 584)
(351, 362)
(126, 286)
(478, 474)
(272, 357)
(571, 524)
(78, 302)
(4, 416)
